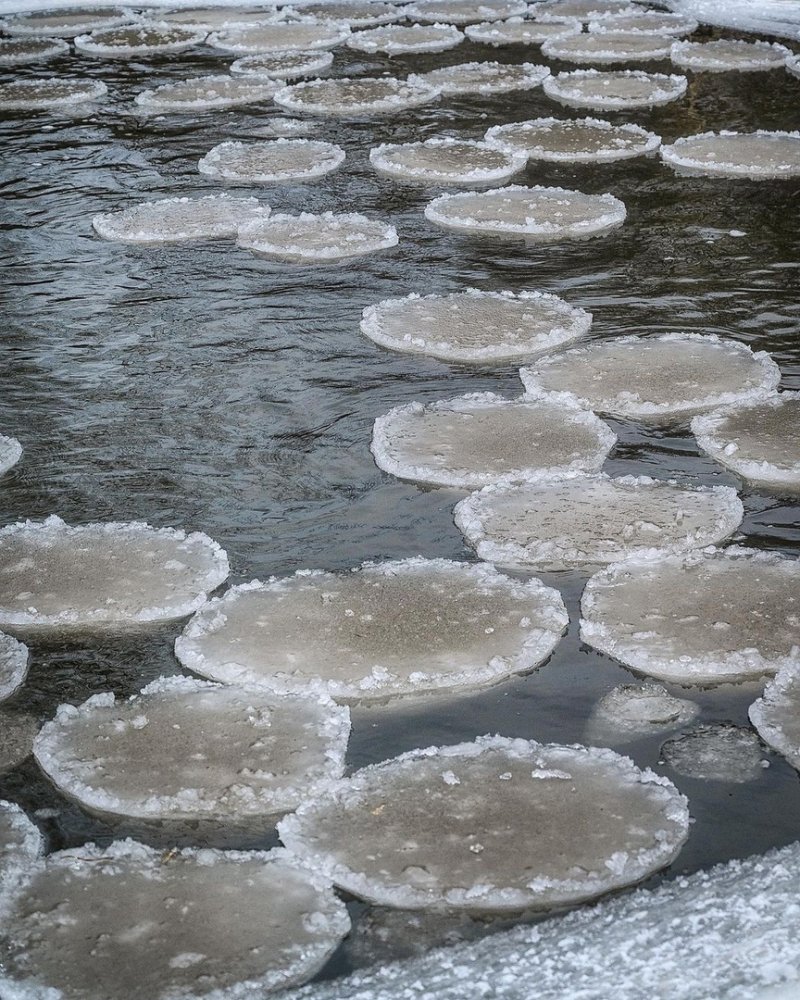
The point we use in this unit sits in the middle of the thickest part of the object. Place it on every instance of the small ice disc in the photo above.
(356, 13)
(729, 54)
(410, 627)
(138, 40)
(346, 98)
(464, 11)
(518, 32)
(66, 23)
(273, 162)
(657, 22)
(474, 440)
(542, 214)
(659, 379)
(104, 575)
(10, 453)
(133, 922)
(19, 51)
(179, 220)
(776, 716)
(614, 90)
(497, 824)
(316, 239)
(217, 18)
(34, 94)
(558, 524)
(281, 36)
(397, 39)
(283, 65)
(759, 155)
(584, 10)
(206, 92)
(759, 442)
(577, 140)
(13, 665)
(17, 732)
(635, 711)
(475, 326)
(704, 618)
(717, 752)
(486, 77)
(608, 47)
(21, 846)
(446, 161)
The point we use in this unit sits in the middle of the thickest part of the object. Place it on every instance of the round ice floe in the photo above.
(56, 576)
(33, 94)
(585, 520)
(793, 64)
(217, 18)
(283, 65)
(447, 161)
(16, 51)
(486, 77)
(729, 54)
(10, 453)
(347, 98)
(670, 377)
(578, 140)
(274, 162)
(21, 846)
(759, 155)
(179, 220)
(703, 618)
(474, 440)
(356, 13)
(518, 32)
(464, 11)
(543, 214)
(497, 824)
(397, 39)
(13, 665)
(776, 716)
(206, 92)
(584, 10)
(66, 23)
(282, 36)
(17, 732)
(614, 90)
(716, 752)
(138, 40)
(386, 630)
(759, 442)
(133, 922)
(659, 22)
(316, 239)
(475, 326)
(634, 711)
(608, 47)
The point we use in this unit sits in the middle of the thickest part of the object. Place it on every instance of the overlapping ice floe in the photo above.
(632, 711)
(657, 379)
(345, 98)
(555, 524)
(19, 51)
(10, 453)
(316, 239)
(573, 140)
(608, 47)
(21, 847)
(583, 10)
(716, 752)
(494, 825)
(776, 715)
(397, 39)
(447, 161)
(729, 54)
(133, 922)
(759, 441)
(703, 618)
(464, 11)
(42, 93)
(105, 575)
(356, 13)
(274, 162)
(614, 90)
(13, 665)
(300, 35)
(759, 155)
(179, 220)
(65, 23)
(541, 214)
(143, 39)
(659, 22)
(386, 630)
(475, 326)
(202, 93)
(486, 77)
(517, 31)
(17, 732)
(283, 65)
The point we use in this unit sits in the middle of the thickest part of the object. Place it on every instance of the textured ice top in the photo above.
(203, 92)
(13, 666)
(608, 47)
(578, 140)
(407, 627)
(104, 575)
(703, 618)
(614, 90)
(186, 749)
(273, 162)
(475, 326)
(496, 824)
(759, 155)
(659, 22)
(40, 93)
(217, 18)
(66, 23)
(543, 214)
(447, 161)
(10, 453)
(729, 54)
(486, 77)
(21, 847)
(777, 715)
(716, 752)
(793, 64)
(351, 98)
(516, 31)
(555, 525)
(17, 51)
(283, 65)
(132, 922)
(583, 10)
(180, 220)
(665, 378)
(631, 711)
(396, 39)
(464, 11)
(139, 39)
(316, 239)
(281, 36)
(356, 13)
(17, 732)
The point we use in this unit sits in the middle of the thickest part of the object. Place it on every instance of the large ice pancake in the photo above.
(633, 711)
(104, 575)
(494, 825)
(776, 715)
(464, 11)
(66, 23)
(274, 162)
(397, 39)
(759, 155)
(10, 453)
(141, 39)
(475, 326)
(573, 140)
(345, 98)
(21, 847)
(703, 618)
(516, 31)
(759, 442)
(180, 220)
(356, 13)
(729, 54)
(13, 666)
(43, 93)
(657, 379)
(584, 10)
(556, 524)
(17, 732)
(474, 440)
(207, 92)
(385, 630)
(716, 752)
(486, 77)
(316, 239)
(130, 922)
(659, 22)
(608, 47)
(218, 18)
(19, 51)
(540, 214)
(446, 161)
(283, 65)
(299, 35)
(614, 90)
(186, 749)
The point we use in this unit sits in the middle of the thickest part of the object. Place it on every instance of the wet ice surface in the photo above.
(554, 524)
(42, 93)
(180, 220)
(631, 711)
(464, 11)
(754, 155)
(204, 92)
(13, 666)
(776, 715)
(516, 31)
(216, 18)
(608, 47)
(56, 576)
(138, 40)
(356, 13)
(21, 846)
(132, 922)
(719, 752)
(288, 36)
(406, 627)
(283, 65)
(584, 10)
(474, 440)
(574, 140)
(614, 90)
(475, 326)
(659, 22)
(14, 51)
(316, 239)
(658, 379)
(446, 161)
(66, 23)
(562, 823)
(396, 39)
(705, 618)
(273, 162)
(486, 77)
(347, 98)
(729, 54)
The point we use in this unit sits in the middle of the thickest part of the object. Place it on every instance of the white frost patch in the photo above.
(464, 11)
(356, 13)
(716, 752)
(486, 77)
(316, 239)
(283, 65)
(275, 162)
(10, 453)
(446, 161)
(517, 31)
(203, 93)
(346, 98)
(705, 618)
(40, 93)
(180, 220)
(659, 22)
(21, 848)
(13, 665)
(608, 47)
(65, 23)
(19, 51)
(573, 140)
(632, 711)
(776, 716)
(17, 732)
(759, 155)
(725, 54)
(614, 90)
(298, 35)
(138, 40)
(396, 39)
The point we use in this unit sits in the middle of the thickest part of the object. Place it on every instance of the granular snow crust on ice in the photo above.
(350, 98)
(608, 47)
(776, 715)
(614, 90)
(517, 31)
(13, 666)
(397, 39)
(316, 239)
(485, 77)
(659, 22)
(276, 161)
(202, 93)
(759, 155)
(180, 220)
(724, 54)
(573, 140)
(21, 848)
(43, 93)
(140, 39)
(297, 35)
(283, 65)
(446, 161)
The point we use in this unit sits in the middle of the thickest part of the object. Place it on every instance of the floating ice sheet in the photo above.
(66, 23)
(497, 824)
(356, 13)
(474, 440)
(346, 98)
(447, 161)
(716, 752)
(205, 93)
(217, 18)
(557, 524)
(519, 32)
(107, 575)
(17, 732)
(576, 140)
(274, 162)
(729, 54)
(282, 36)
(776, 716)
(464, 11)
(475, 326)
(132, 922)
(42, 93)
(632, 711)
(703, 618)
(486, 77)
(608, 47)
(541, 214)
(657, 379)
(397, 39)
(283, 65)
(759, 155)
(584, 10)
(659, 22)
(10, 453)
(614, 90)
(186, 749)
(179, 220)
(19, 51)
(138, 40)
(13, 665)
(21, 846)
(759, 442)
(316, 239)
